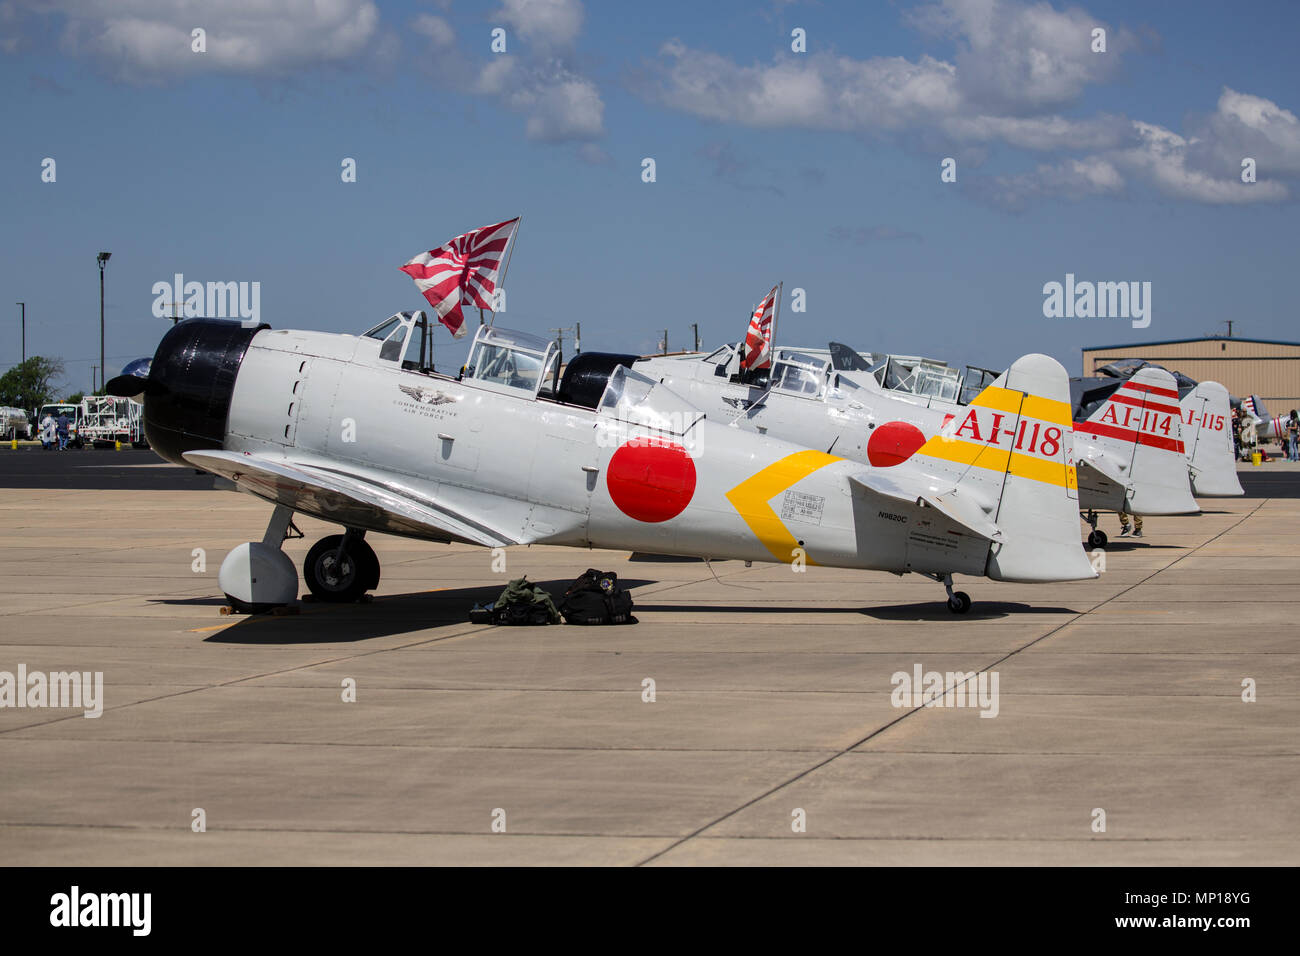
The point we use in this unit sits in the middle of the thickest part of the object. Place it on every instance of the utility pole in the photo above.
(559, 336)
(665, 342)
(1229, 321)
(24, 321)
(695, 328)
(92, 379)
(102, 259)
(577, 338)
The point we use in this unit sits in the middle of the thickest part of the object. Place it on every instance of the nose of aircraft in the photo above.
(190, 384)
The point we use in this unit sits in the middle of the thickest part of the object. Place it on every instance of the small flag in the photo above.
(761, 332)
(468, 268)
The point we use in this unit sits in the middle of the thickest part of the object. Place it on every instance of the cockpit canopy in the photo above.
(632, 398)
(505, 359)
(799, 374)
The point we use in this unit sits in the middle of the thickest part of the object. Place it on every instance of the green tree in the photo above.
(30, 384)
(75, 398)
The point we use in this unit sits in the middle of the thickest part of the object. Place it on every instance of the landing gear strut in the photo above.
(341, 567)
(958, 601)
(1098, 538)
(257, 576)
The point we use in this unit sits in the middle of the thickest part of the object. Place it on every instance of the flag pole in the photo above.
(509, 252)
(776, 314)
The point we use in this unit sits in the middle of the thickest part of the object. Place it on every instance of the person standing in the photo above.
(63, 423)
(49, 430)
(1123, 522)
(1249, 436)
(1293, 437)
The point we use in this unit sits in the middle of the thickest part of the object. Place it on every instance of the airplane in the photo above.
(362, 431)
(1128, 450)
(1205, 410)
(1267, 427)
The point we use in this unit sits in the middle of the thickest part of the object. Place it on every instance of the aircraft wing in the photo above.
(352, 499)
(961, 508)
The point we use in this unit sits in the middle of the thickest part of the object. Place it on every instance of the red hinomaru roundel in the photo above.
(651, 479)
(893, 443)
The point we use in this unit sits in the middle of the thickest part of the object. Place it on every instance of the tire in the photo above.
(1097, 539)
(959, 603)
(342, 581)
(370, 565)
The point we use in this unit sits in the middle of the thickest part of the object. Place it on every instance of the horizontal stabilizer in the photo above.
(961, 508)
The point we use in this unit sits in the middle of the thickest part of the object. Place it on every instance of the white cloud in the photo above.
(147, 40)
(1069, 179)
(546, 24)
(819, 91)
(560, 104)
(438, 30)
(1015, 57)
(1162, 157)
(561, 107)
(1015, 66)
(1248, 126)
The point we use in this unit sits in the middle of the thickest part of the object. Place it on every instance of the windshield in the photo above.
(382, 330)
(632, 397)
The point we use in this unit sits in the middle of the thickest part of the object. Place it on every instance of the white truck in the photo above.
(108, 419)
(54, 410)
(14, 423)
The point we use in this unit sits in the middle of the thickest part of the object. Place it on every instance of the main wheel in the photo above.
(1097, 539)
(959, 603)
(340, 578)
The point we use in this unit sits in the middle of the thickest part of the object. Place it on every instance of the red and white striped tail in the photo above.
(1137, 439)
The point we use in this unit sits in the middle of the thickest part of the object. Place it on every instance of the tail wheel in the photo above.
(337, 576)
(959, 603)
(1097, 539)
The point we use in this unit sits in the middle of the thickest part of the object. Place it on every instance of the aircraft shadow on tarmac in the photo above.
(386, 615)
(979, 611)
(1128, 544)
(920, 611)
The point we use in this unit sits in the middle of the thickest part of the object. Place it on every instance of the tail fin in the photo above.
(1135, 439)
(1207, 441)
(1013, 451)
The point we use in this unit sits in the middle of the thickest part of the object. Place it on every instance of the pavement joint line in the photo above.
(910, 712)
(918, 838)
(463, 748)
(241, 680)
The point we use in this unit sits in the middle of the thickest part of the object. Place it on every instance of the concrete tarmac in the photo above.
(771, 706)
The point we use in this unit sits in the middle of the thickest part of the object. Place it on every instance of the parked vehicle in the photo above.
(108, 419)
(55, 409)
(14, 423)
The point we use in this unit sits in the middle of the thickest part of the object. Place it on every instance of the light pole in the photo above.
(24, 320)
(102, 259)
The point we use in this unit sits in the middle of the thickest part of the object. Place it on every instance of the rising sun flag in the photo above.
(761, 332)
(469, 268)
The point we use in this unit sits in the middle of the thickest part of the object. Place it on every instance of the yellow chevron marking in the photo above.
(963, 452)
(1035, 406)
(750, 499)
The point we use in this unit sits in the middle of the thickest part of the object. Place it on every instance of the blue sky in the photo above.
(818, 169)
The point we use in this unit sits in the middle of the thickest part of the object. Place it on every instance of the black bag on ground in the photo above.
(595, 597)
